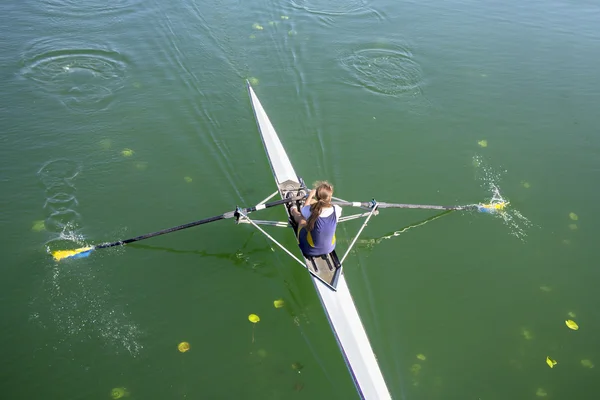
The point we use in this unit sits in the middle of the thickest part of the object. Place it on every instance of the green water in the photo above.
(385, 99)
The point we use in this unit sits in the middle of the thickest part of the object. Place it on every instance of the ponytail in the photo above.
(323, 194)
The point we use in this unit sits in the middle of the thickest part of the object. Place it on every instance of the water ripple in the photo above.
(83, 77)
(87, 7)
(334, 7)
(57, 171)
(389, 70)
(60, 204)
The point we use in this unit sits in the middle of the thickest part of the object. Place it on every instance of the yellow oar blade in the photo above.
(62, 254)
(492, 207)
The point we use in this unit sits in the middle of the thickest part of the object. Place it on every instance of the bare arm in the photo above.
(311, 198)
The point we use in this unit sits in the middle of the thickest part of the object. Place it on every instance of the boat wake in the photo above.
(332, 8)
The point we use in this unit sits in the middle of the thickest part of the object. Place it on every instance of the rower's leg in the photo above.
(293, 208)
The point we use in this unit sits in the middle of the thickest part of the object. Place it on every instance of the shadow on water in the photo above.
(239, 258)
(370, 243)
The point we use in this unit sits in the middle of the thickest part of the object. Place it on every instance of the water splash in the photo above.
(74, 298)
(490, 178)
(496, 206)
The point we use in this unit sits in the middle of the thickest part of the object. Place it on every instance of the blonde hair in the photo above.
(323, 193)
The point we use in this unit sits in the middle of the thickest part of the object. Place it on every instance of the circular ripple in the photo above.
(56, 176)
(58, 171)
(87, 7)
(65, 220)
(60, 189)
(82, 77)
(61, 202)
(385, 70)
(331, 7)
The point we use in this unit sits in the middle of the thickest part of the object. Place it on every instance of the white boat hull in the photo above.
(335, 298)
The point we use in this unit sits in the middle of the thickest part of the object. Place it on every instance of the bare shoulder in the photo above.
(338, 210)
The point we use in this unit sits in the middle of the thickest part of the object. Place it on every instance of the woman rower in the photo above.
(317, 221)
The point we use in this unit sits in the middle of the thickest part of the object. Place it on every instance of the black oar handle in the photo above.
(370, 204)
(226, 215)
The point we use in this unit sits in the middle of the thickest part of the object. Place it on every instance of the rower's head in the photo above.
(323, 192)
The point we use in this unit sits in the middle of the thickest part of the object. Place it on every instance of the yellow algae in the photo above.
(573, 216)
(415, 369)
(127, 152)
(183, 347)
(587, 363)
(527, 334)
(421, 357)
(482, 143)
(253, 81)
(571, 314)
(545, 288)
(254, 319)
(39, 225)
(541, 393)
(262, 353)
(105, 144)
(253, 36)
(525, 184)
(141, 165)
(292, 33)
(187, 179)
(278, 303)
(573, 227)
(119, 393)
(285, 17)
(551, 363)
(272, 23)
(257, 26)
(296, 366)
(572, 324)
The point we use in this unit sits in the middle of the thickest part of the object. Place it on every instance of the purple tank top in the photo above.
(321, 240)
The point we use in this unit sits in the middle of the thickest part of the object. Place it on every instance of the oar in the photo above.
(486, 208)
(85, 251)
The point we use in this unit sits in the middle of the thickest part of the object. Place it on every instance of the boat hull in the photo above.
(331, 288)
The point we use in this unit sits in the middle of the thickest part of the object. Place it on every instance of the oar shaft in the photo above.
(421, 206)
(226, 215)
(396, 205)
